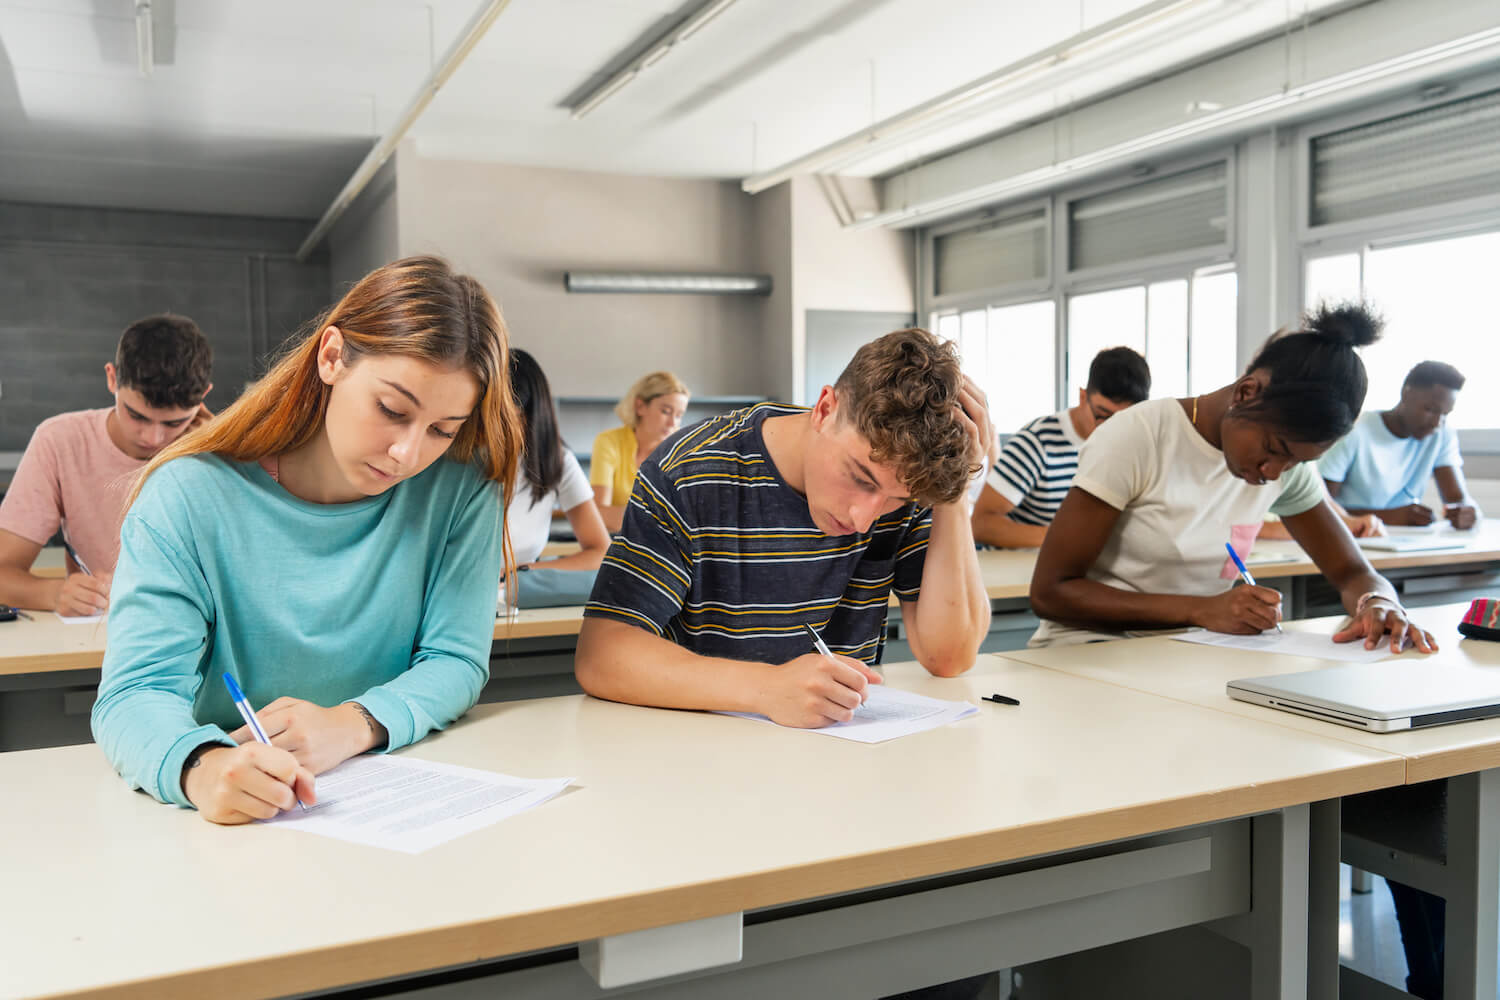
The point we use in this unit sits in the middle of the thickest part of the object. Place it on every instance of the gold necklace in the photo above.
(1195, 411)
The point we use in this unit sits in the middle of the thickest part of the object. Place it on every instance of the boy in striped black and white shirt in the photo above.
(1035, 468)
(743, 528)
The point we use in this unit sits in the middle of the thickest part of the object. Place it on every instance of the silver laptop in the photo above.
(1384, 697)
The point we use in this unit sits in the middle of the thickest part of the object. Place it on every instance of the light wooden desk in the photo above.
(50, 562)
(1013, 835)
(1467, 754)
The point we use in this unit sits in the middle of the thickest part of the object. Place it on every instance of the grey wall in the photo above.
(71, 279)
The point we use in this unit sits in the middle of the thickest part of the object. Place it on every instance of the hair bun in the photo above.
(1353, 324)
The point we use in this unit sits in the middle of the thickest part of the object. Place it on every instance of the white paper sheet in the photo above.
(80, 619)
(403, 804)
(888, 714)
(1291, 643)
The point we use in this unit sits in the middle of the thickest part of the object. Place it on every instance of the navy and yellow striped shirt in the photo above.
(720, 555)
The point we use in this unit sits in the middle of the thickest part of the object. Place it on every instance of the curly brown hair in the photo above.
(901, 393)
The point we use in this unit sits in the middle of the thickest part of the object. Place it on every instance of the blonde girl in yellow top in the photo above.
(651, 411)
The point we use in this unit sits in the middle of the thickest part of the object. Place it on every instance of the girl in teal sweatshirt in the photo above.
(333, 539)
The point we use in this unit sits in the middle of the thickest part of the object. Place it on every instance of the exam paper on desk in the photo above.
(404, 804)
(888, 714)
(1291, 643)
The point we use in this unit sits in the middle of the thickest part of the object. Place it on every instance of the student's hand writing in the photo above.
(1413, 515)
(813, 690)
(245, 783)
(1461, 515)
(319, 738)
(1241, 611)
(1365, 526)
(83, 595)
(1382, 617)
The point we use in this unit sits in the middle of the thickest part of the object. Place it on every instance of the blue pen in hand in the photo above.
(1244, 573)
(243, 704)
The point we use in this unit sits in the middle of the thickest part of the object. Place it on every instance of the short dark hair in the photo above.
(1430, 373)
(167, 359)
(1317, 381)
(1119, 374)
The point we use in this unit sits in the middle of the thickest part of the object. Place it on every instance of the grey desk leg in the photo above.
(1473, 896)
(1279, 901)
(1323, 900)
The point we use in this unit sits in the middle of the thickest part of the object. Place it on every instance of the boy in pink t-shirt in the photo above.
(79, 467)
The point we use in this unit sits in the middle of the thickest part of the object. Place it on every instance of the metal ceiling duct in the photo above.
(665, 283)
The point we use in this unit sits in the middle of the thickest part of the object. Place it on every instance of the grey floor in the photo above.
(1368, 939)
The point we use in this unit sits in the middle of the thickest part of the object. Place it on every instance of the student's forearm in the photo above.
(21, 589)
(585, 559)
(1086, 603)
(613, 517)
(621, 662)
(952, 613)
(996, 529)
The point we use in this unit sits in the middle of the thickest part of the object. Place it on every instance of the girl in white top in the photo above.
(549, 477)
(1139, 541)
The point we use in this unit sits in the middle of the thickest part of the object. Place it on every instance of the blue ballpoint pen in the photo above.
(243, 704)
(1244, 573)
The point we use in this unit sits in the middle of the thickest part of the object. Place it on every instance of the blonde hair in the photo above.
(416, 307)
(647, 388)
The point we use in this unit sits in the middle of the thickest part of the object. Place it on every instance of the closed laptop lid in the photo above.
(1391, 689)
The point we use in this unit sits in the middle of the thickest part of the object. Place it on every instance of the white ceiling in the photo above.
(266, 106)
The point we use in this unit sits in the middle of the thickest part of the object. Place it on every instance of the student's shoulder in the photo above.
(184, 485)
(453, 479)
(729, 443)
(1151, 420)
(66, 428)
(614, 439)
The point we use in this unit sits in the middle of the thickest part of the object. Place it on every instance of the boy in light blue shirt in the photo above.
(1382, 465)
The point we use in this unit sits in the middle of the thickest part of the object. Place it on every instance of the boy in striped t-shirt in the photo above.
(743, 528)
(1034, 470)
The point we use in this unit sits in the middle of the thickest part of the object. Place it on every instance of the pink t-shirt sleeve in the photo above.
(33, 505)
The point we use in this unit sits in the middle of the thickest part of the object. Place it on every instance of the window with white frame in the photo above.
(1008, 351)
(1185, 328)
(1435, 298)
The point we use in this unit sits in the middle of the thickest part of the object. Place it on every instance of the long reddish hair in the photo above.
(417, 307)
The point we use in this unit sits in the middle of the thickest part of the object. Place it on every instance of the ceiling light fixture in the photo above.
(655, 53)
(972, 98)
(1259, 112)
(145, 42)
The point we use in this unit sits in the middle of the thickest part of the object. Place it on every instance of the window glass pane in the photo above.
(1116, 318)
(1332, 279)
(1437, 303)
(1215, 322)
(1021, 381)
(972, 344)
(948, 327)
(1167, 337)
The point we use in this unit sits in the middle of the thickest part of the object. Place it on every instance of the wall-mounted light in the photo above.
(666, 283)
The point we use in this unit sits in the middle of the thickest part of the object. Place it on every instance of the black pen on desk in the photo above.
(1001, 699)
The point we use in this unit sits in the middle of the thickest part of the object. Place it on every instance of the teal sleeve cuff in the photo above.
(391, 712)
(169, 775)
